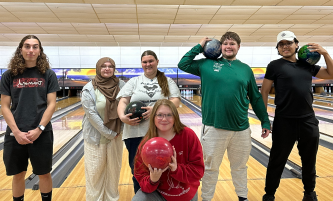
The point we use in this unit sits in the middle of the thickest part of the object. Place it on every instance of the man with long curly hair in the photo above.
(28, 98)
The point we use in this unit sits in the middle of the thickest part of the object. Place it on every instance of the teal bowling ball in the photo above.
(136, 110)
(305, 55)
(212, 49)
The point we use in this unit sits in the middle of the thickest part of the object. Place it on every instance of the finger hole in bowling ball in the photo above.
(304, 55)
(157, 152)
(136, 110)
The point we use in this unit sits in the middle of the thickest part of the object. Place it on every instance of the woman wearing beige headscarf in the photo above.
(101, 126)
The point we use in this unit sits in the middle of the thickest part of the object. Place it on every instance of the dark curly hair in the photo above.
(17, 62)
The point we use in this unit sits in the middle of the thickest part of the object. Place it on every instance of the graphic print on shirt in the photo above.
(172, 185)
(28, 82)
(150, 90)
(217, 66)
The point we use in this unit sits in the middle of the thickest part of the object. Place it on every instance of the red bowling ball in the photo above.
(157, 152)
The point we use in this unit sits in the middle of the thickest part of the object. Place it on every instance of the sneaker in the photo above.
(268, 198)
(310, 197)
(242, 199)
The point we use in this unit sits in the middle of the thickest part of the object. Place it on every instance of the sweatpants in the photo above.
(238, 145)
(287, 131)
(102, 170)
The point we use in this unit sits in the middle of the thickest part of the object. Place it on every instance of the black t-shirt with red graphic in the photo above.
(28, 92)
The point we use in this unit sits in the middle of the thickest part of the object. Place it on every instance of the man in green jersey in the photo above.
(228, 86)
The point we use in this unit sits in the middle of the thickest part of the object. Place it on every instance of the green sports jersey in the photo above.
(227, 89)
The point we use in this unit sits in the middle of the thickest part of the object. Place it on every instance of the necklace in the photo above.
(229, 62)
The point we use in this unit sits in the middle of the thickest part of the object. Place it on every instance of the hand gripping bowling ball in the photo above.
(136, 110)
(305, 55)
(157, 152)
(212, 49)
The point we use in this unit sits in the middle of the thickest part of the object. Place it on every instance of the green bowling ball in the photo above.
(305, 55)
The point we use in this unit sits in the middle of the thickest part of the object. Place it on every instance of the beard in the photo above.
(229, 57)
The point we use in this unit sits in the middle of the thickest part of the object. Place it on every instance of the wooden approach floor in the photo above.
(290, 189)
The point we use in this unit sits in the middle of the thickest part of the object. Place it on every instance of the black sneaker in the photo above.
(242, 199)
(268, 198)
(310, 197)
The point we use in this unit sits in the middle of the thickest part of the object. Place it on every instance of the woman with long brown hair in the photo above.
(147, 88)
(180, 180)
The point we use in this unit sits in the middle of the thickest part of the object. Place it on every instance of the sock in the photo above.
(241, 198)
(46, 196)
(308, 193)
(21, 198)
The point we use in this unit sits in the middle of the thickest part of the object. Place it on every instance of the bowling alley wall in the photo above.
(75, 65)
(129, 57)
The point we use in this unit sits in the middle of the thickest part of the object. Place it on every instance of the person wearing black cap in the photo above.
(294, 116)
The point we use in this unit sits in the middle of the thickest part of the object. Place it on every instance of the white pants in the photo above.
(102, 170)
(238, 144)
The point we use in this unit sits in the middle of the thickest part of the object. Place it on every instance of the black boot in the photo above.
(267, 197)
(310, 196)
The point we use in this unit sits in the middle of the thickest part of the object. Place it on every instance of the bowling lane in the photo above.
(324, 126)
(315, 98)
(196, 99)
(190, 119)
(324, 156)
(290, 189)
(316, 102)
(328, 96)
(63, 130)
(67, 102)
(59, 105)
(72, 121)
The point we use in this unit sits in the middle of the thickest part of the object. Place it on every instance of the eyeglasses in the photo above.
(161, 116)
(288, 44)
(104, 67)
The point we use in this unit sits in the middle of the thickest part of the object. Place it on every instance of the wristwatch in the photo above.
(41, 127)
